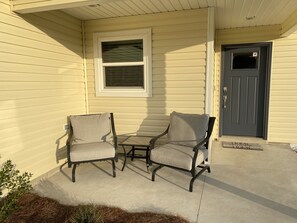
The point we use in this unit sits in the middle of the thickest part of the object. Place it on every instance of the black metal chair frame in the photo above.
(204, 143)
(113, 159)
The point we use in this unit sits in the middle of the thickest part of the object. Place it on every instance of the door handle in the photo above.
(224, 101)
(225, 89)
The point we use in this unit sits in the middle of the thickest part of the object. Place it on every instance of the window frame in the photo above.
(101, 89)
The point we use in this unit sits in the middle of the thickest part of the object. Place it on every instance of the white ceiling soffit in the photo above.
(136, 7)
(228, 13)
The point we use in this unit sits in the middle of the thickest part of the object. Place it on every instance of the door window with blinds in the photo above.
(123, 63)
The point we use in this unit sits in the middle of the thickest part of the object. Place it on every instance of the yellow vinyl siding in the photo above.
(41, 83)
(179, 60)
(282, 122)
(283, 92)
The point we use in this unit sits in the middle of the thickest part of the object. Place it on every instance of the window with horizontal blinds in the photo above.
(122, 51)
(124, 76)
(123, 63)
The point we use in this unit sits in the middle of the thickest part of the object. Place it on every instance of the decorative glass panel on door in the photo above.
(245, 60)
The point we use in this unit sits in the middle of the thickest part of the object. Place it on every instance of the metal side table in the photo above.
(136, 143)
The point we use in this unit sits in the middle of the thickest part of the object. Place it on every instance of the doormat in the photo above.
(242, 145)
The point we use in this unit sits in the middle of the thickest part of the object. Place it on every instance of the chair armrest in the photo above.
(209, 131)
(68, 145)
(115, 142)
(153, 140)
(195, 150)
(201, 143)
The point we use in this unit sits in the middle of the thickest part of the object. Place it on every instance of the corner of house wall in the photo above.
(210, 62)
(85, 67)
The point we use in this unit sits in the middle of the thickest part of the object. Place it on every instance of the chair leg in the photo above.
(73, 172)
(196, 176)
(133, 153)
(113, 168)
(125, 158)
(154, 172)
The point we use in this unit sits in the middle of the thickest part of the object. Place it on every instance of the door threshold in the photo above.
(243, 139)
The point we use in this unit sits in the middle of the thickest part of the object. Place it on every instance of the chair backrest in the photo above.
(187, 129)
(91, 128)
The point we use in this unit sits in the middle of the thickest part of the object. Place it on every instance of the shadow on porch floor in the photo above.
(244, 186)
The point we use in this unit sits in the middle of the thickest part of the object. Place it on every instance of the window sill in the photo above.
(123, 93)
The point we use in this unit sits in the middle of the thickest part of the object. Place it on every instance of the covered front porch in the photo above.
(50, 69)
(244, 186)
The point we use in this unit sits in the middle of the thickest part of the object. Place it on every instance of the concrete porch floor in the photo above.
(244, 186)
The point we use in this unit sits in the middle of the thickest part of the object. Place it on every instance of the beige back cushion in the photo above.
(91, 128)
(187, 129)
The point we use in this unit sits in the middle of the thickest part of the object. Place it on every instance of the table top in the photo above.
(136, 141)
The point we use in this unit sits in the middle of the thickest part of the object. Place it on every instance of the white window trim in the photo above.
(145, 35)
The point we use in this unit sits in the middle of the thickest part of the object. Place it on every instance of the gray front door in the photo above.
(243, 90)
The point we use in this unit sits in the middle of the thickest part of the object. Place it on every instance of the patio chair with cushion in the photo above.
(187, 145)
(91, 138)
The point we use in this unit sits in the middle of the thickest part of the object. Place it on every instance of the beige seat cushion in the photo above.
(187, 129)
(177, 156)
(91, 128)
(91, 151)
